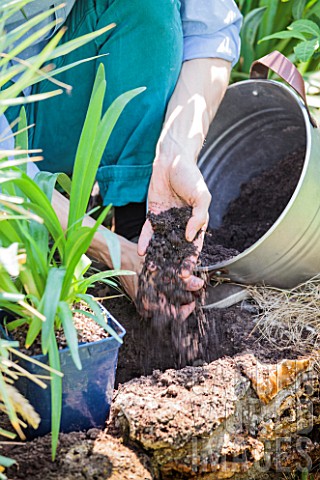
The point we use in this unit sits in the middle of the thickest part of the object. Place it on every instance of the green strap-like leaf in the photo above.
(68, 47)
(40, 203)
(56, 392)
(284, 34)
(25, 27)
(49, 304)
(22, 136)
(297, 8)
(33, 331)
(98, 277)
(82, 185)
(70, 332)
(47, 182)
(248, 35)
(106, 126)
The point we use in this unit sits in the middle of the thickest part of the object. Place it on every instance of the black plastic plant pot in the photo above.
(86, 393)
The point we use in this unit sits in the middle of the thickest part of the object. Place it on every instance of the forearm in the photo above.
(98, 248)
(192, 107)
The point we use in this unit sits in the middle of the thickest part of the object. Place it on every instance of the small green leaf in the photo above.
(305, 50)
(6, 462)
(46, 181)
(64, 182)
(33, 331)
(305, 26)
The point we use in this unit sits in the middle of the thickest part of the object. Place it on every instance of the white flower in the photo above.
(9, 259)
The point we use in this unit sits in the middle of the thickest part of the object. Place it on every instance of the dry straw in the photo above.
(290, 318)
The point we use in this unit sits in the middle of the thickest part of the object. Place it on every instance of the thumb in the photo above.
(145, 237)
(198, 221)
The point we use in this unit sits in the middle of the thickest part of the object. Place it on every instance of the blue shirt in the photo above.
(211, 29)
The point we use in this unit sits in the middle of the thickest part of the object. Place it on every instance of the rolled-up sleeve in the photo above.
(211, 28)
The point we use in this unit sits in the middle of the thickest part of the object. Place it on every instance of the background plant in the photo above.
(31, 71)
(290, 26)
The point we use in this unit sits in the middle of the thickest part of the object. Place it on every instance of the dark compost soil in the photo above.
(260, 203)
(162, 289)
(223, 332)
(101, 455)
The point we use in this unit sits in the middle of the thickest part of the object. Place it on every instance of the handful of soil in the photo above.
(161, 291)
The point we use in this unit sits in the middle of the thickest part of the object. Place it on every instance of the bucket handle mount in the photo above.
(280, 65)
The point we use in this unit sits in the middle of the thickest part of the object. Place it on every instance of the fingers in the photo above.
(198, 221)
(193, 283)
(200, 206)
(186, 310)
(145, 237)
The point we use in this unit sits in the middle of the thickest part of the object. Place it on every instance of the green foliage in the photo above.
(290, 26)
(30, 72)
(53, 276)
(42, 267)
(308, 34)
(12, 402)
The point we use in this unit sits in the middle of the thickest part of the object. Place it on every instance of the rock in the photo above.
(219, 420)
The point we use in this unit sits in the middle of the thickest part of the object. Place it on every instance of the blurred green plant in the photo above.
(290, 26)
(308, 34)
(18, 409)
(31, 71)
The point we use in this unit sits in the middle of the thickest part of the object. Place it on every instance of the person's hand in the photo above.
(176, 180)
(177, 184)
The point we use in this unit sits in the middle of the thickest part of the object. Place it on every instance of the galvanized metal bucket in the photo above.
(258, 123)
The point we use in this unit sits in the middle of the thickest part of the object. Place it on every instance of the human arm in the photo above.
(130, 260)
(176, 179)
(211, 46)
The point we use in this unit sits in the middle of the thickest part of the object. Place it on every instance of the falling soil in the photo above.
(161, 290)
(168, 253)
(260, 203)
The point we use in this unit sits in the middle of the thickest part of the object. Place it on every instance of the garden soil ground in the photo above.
(225, 332)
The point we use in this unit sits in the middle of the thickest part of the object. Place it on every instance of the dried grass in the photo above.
(290, 318)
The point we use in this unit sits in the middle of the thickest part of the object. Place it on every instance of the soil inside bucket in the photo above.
(261, 201)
